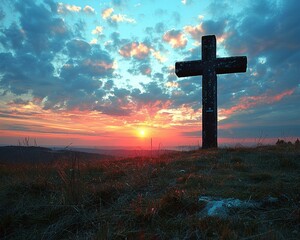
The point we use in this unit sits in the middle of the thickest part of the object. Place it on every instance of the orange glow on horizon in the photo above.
(156, 120)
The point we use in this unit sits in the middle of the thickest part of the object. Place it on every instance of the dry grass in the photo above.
(144, 198)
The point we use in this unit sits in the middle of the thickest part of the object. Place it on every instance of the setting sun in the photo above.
(142, 133)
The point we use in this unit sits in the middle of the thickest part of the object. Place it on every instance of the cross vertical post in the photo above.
(209, 67)
(209, 94)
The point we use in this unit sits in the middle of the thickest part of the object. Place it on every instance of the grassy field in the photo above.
(143, 198)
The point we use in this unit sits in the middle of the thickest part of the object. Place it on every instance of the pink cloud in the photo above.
(135, 49)
(175, 38)
(252, 101)
(99, 66)
(196, 32)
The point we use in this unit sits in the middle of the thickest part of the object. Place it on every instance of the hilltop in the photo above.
(34, 154)
(165, 197)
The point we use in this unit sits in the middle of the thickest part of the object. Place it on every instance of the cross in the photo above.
(209, 67)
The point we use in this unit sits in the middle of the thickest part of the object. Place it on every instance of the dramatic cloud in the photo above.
(136, 50)
(253, 101)
(42, 38)
(62, 60)
(175, 38)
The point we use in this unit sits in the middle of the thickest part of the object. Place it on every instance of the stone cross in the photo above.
(209, 67)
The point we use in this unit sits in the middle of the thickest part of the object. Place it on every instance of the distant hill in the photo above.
(126, 153)
(30, 154)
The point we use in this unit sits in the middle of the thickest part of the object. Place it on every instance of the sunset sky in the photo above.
(101, 73)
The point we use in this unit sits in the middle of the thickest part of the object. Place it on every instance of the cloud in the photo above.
(152, 92)
(45, 57)
(13, 37)
(214, 27)
(47, 62)
(115, 42)
(78, 48)
(142, 68)
(81, 82)
(271, 50)
(220, 8)
(196, 32)
(121, 18)
(247, 102)
(145, 69)
(151, 100)
(88, 9)
(106, 13)
(97, 64)
(205, 28)
(136, 50)
(98, 30)
(67, 8)
(94, 41)
(270, 36)
(114, 19)
(42, 31)
(117, 104)
(175, 38)
(158, 56)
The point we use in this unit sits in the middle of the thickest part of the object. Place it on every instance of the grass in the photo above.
(143, 198)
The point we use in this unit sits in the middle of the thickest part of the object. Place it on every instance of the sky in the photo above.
(102, 73)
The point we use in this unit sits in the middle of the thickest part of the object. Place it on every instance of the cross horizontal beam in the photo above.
(221, 66)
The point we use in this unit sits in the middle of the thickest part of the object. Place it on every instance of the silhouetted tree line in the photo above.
(281, 142)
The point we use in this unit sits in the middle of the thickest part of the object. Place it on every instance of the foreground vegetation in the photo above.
(143, 198)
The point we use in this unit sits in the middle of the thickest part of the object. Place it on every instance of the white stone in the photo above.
(219, 207)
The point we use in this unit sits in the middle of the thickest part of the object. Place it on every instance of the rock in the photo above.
(219, 207)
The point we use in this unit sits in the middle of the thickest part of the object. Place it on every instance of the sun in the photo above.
(142, 133)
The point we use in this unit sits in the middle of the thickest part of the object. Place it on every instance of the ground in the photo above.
(144, 198)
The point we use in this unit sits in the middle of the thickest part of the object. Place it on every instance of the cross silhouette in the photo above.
(209, 67)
